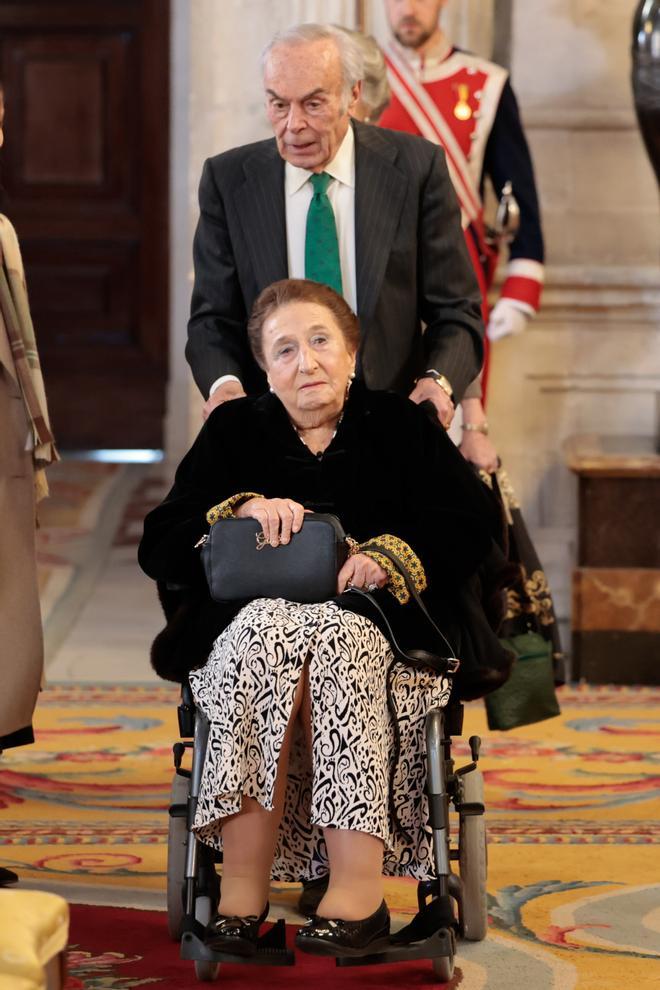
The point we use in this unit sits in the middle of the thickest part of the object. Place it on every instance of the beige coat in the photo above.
(21, 639)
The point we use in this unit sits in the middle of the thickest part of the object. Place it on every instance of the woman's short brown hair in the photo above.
(292, 290)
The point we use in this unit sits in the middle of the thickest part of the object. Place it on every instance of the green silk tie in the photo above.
(321, 244)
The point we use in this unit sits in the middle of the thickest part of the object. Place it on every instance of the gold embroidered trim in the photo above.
(535, 600)
(225, 510)
(397, 584)
(509, 496)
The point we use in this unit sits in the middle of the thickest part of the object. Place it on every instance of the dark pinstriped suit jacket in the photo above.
(411, 260)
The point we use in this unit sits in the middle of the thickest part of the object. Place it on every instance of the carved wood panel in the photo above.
(85, 165)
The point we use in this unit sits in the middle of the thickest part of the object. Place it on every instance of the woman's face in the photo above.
(307, 360)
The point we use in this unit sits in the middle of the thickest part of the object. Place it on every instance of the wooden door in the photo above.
(85, 168)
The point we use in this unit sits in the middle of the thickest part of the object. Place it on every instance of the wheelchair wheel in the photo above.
(177, 837)
(473, 862)
(205, 971)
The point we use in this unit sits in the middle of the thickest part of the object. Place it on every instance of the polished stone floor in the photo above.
(110, 637)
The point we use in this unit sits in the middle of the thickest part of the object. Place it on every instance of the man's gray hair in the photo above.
(350, 56)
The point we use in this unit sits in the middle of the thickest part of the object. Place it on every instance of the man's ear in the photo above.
(356, 92)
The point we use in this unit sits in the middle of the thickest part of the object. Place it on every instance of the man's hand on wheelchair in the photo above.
(279, 517)
(224, 393)
(426, 390)
(360, 571)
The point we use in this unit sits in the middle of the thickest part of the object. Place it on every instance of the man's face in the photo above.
(413, 21)
(306, 102)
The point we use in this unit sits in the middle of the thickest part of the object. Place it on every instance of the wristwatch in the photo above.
(440, 380)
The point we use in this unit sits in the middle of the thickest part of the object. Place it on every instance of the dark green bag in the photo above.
(529, 694)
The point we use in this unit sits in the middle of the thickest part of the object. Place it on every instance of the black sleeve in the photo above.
(171, 530)
(507, 158)
(447, 516)
(448, 292)
(456, 518)
(217, 339)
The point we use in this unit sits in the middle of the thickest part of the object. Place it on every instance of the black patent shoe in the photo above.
(335, 937)
(7, 877)
(234, 935)
(313, 892)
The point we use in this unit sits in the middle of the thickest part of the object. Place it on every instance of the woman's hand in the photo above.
(362, 572)
(480, 451)
(279, 517)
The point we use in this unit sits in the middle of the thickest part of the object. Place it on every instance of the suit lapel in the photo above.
(380, 190)
(260, 205)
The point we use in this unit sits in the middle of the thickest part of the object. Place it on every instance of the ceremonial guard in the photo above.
(466, 104)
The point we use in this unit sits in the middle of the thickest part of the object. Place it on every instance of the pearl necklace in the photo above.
(319, 453)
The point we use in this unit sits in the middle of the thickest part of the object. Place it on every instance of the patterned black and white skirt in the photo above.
(246, 690)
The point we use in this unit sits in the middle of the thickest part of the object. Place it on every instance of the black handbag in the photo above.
(240, 565)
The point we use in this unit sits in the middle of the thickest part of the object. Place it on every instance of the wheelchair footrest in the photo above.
(271, 948)
(441, 943)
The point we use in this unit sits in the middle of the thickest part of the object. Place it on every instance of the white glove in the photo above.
(506, 318)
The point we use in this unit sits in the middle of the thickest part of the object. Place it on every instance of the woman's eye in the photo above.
(319, 340)
(283, 351)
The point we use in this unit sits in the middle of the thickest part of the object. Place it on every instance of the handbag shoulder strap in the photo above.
(422, 658)
(410, 584)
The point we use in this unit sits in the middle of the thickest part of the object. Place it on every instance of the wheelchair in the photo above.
(451, 905)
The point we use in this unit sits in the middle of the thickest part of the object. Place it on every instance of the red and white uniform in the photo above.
(465, 103)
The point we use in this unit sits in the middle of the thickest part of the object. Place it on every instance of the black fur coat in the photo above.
(389, 469)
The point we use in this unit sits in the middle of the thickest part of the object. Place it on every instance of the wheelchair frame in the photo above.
(193, 895)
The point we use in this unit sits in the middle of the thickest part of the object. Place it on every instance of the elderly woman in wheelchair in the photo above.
(315, 762)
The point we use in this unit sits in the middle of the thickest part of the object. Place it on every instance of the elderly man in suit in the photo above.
(370, 212)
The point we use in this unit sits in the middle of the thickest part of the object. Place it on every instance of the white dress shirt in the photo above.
(298, 194)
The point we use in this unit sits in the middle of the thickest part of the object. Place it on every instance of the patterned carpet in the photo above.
(572, 805)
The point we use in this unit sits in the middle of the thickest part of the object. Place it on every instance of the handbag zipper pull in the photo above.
(200, 543)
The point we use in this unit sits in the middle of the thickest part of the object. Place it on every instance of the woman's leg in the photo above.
(249, 838)
(355, 890)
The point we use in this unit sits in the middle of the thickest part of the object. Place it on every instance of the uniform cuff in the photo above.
(523, 284)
